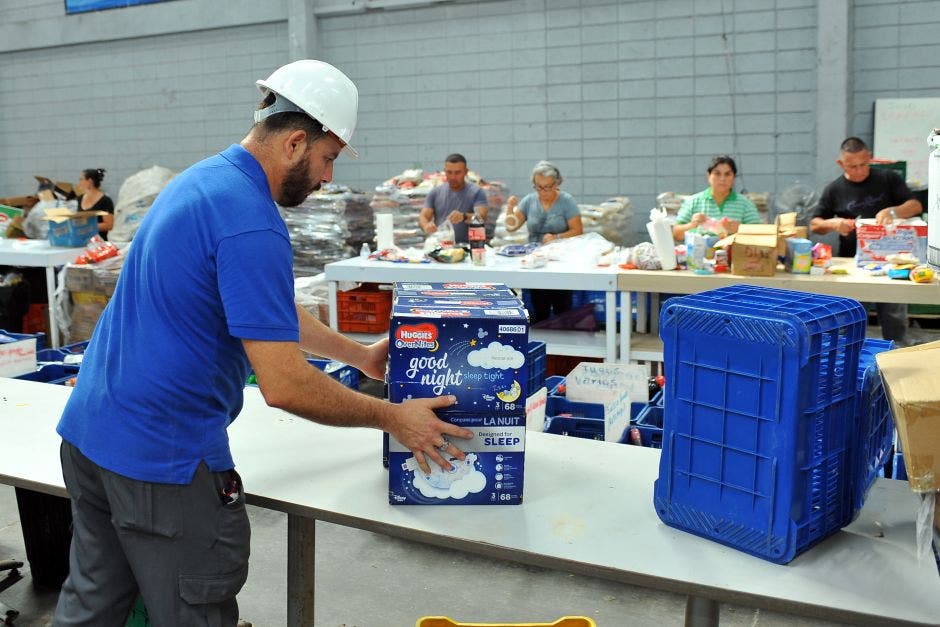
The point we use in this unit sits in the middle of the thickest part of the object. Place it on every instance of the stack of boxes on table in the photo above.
(468, 340)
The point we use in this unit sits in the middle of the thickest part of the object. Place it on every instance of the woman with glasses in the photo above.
(551, 214)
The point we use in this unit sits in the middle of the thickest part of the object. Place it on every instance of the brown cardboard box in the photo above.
(786, 227)
(21, 202)
(913, 390)
(753, 249)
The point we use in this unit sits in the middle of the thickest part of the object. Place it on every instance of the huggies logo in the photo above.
(416, 336)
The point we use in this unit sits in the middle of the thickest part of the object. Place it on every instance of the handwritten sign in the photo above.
(535, 410)
(617, 417)
(18, 357)
(901, 129)
(594, 382)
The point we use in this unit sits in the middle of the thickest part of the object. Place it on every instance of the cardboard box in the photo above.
(753, 249)
(71, 228)
(913, 390)
(476, 352)
(17, 355)
(20, 202)
(878, 242)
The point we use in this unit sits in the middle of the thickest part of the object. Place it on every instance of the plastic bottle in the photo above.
(476, 233)
(364, 252)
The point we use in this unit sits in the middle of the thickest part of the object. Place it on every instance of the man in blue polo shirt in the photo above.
(206, 293)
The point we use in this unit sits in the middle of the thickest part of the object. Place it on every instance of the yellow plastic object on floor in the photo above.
(567, 621)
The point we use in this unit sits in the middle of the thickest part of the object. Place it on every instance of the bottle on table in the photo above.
(476, 233)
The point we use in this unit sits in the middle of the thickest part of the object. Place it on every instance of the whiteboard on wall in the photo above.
(901, 129)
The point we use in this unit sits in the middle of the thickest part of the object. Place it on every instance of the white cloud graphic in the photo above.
(496, 355)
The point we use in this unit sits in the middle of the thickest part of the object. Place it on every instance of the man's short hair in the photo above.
(718, 160)
(288, 121)
(853, 145)
(455, 158)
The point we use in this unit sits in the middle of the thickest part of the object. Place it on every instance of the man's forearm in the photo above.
(319, 339)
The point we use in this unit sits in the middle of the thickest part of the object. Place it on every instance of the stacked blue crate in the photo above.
(55, 373)
(40, 337)
(759, 412)
(874, 428)
(648, 422)
(536, 361)
(579, 419)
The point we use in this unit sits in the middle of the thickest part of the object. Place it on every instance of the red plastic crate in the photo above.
(365, 309)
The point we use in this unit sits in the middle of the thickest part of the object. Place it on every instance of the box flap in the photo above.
(757, 235)
(62, 214)
(913, 389)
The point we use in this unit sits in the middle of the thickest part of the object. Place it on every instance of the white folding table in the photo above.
(588, 510)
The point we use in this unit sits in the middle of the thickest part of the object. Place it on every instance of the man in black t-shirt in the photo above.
(865, 193)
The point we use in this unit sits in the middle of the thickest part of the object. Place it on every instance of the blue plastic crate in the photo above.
(77, 348)
(898, 471)
(51, 373)
(598, 299)
(553, 383)
(874, 435)
(344, 373)
(647, 419)
(588, 428)
(40, 337)
(536, 360)
(580, 420)
(759, 416)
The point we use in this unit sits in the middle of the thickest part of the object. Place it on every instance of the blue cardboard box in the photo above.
(453, 287)
(491, 474)
(477, 354)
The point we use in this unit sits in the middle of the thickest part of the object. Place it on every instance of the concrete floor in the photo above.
(370, 580)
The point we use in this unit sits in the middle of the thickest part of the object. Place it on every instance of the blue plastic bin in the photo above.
(536, 360)
(345, 374)
(648, 421)
(581, 420)
(759, 416)
(874, 435)
(40, 337)
(51, 373)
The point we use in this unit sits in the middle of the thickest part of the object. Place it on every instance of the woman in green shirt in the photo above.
(719, 202)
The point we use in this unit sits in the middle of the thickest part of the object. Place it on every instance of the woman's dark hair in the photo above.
(95, 175)
(717, 161)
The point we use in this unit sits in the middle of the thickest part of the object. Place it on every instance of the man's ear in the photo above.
(295, 145)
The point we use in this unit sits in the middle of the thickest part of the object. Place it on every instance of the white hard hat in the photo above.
(317, 89)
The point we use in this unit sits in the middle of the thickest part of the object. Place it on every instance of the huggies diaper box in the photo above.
(476, 353)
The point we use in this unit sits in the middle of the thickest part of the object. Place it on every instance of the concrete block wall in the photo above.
(895, 52)
(127, 104)
(627, 96)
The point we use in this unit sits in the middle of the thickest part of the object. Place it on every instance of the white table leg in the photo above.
(301, 549)
(53, 322)
(610, 326)
(640, 312)
(626, 324)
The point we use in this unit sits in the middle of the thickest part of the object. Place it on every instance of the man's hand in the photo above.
(376, 356)
(886, 215)
(456, 217)
(846, 226)
(414, 424)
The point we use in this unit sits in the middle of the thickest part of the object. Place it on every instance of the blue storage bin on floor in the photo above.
(874, 434)
(344, 373)
(51, 373)
(581, 420)
(759, 415)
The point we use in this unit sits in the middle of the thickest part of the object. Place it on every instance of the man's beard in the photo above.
(297, 184)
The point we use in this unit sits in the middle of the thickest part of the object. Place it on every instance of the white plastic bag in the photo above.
(661, 235)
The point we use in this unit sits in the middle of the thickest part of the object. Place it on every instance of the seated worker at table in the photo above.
(719, 201)
(457, 201)
(91, 198)
(550, 214)
(865, 193)
(205, 295)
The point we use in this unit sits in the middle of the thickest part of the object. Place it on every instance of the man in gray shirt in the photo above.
(457, 201)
